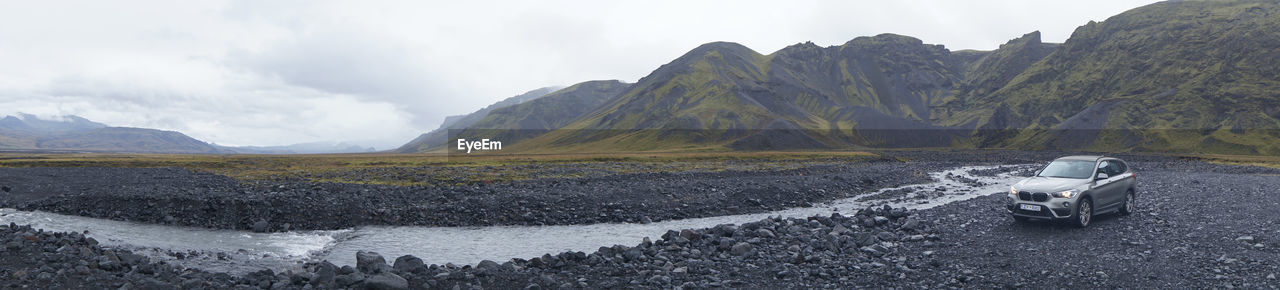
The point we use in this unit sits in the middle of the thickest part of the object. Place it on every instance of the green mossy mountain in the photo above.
(1183, 76)
(1174, 76)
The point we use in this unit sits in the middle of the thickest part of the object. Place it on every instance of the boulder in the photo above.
(742, 249)
(690, 235)
(633, 254)
(489, 265)
(348, 279)
(324, 274)
(260, 226)
(407, 263)
(370, 262)
(385, 281)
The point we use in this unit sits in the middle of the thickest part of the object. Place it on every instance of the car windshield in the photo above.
(1079, 169)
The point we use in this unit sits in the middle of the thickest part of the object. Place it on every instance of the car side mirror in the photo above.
(1101, 176)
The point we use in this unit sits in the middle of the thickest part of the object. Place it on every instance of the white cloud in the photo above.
(279, 72)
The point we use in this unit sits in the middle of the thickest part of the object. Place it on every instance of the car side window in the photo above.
(1113, 168)
(1119, 167)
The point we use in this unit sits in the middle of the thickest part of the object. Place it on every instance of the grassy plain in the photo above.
(409, 169)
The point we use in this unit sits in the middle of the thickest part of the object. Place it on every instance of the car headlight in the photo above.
(1013, 191)
(1066, 194)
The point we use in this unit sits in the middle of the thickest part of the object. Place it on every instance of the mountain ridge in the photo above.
(73, 133)
(1168, 77)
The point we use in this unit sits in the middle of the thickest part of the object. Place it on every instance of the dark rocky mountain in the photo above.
(72, 133)
(1173, 76)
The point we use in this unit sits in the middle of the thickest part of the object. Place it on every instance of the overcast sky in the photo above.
(381, 72)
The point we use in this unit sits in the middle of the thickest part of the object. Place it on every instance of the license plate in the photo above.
(1030, 207)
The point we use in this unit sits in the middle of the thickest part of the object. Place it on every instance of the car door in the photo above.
(1124, 178)
(1109, 192)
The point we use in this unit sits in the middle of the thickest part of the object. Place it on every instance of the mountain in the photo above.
(550, 112)
(72, 133)
(302, 148)
(1178, 76)
(427, 140)
(803, 96)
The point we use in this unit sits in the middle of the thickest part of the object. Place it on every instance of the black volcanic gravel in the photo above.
(1198, 225)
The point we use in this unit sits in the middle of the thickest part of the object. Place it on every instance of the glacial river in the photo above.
(250, 251)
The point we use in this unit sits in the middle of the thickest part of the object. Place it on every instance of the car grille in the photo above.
(1042, 213)
(1038, 197)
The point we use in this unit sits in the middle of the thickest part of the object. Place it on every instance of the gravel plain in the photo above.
(1198, 225)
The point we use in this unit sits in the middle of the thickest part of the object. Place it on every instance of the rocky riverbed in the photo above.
(1198, 225)
(181, 197)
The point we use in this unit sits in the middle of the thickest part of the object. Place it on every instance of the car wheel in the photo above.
(1084, 213)
(1129, 205)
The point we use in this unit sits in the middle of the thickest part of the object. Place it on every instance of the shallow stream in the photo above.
(247, 251)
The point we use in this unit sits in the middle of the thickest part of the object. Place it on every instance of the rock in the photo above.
(1271, 276)
(348, 279)
(886, 236)
(1246, 239)
(875, 250)
(5, 188)
(346, 270)
(765, 233)
(660, 279)
(407, 263)
(881, 219)
(385, 281)
(910, 225)
(106, 263)
(680, 270)
(325, 274)
(633, 254)
(260, 226)
(839, 229)
(725, 243)
(724, 230)
(863, 239)
(489, 265)
(690, 235)
(741, 249)
(370, 262)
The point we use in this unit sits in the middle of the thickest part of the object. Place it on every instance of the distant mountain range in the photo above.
(303, 148)
(1183, 76)
(70, 133)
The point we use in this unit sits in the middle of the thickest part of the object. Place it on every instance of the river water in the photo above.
(247, 251)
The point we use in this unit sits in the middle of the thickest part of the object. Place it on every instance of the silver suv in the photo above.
(1074, 188)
